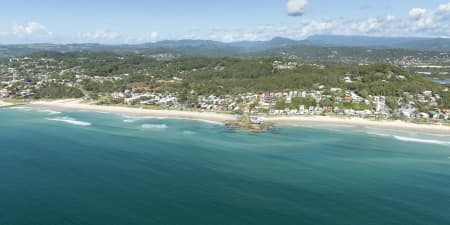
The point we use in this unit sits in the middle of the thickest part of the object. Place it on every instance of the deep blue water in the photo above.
(105, 169)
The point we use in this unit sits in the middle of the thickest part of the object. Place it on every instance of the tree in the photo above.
(281, 104)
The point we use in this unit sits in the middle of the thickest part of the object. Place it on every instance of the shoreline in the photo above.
(4, 104)
(138, 112)
(222, 118)
(394, 125)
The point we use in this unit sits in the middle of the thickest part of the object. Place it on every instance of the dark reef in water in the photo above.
(248, 124)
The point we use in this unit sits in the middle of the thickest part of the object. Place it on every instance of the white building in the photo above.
(302, 110)
(356, 98)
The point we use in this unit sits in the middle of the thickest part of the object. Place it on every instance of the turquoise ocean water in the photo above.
(61, 168)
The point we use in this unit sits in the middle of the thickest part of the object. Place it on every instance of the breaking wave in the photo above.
(20, 108)
(427, 141)
(154, 126)
(70, 120)
(411, 139)
(50, 112)
(210, 122)
(378, 134)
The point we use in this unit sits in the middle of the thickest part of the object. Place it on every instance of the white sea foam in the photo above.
(70, 120)
(157, 117)
(424, 140)
(132, 119)
(21, 108)
(188, 132)
(50, 112)
(28, 109)
(427, 141)
(211, 122)
(102, 112)
(154, 126)
(378, 134)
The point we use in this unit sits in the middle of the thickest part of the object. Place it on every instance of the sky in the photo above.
(141, 21)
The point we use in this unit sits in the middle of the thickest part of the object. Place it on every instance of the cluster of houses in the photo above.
(206, 103)
(265, 103)
(150, 99)
(320, 100)
(279, 65)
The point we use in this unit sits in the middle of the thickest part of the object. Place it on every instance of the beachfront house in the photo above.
(302, 110)
(407, 111)
(433, 115)
(356, 98)
(5, 93)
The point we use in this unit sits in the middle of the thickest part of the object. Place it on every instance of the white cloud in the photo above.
(373, 25)
(418, 22)
(432, 22)
(228, 38)
(103, 36)
(237, 36)
(138, 39)
(153, 36)
(107, 36)
(365, 26)
(30, 29)
(29, 32)
(315, 27)
(305, 28)
(296, 7)
(417, 13)
(444, 7)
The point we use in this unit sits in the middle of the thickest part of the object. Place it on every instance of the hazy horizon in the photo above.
(232, 42)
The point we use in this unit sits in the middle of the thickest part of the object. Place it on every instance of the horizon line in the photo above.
(224, 42)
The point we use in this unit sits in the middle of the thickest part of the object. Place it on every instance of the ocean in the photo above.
(83, 168)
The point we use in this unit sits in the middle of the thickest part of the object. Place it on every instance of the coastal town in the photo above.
(273, 112)
(26, 78)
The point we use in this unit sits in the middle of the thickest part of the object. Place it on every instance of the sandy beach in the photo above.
(216, 117)
(128, 111)
(387, 124)
(4, 104)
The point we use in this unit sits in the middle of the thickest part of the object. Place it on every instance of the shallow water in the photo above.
(92, 168)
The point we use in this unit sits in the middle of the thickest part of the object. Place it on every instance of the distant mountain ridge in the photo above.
(217, 48)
